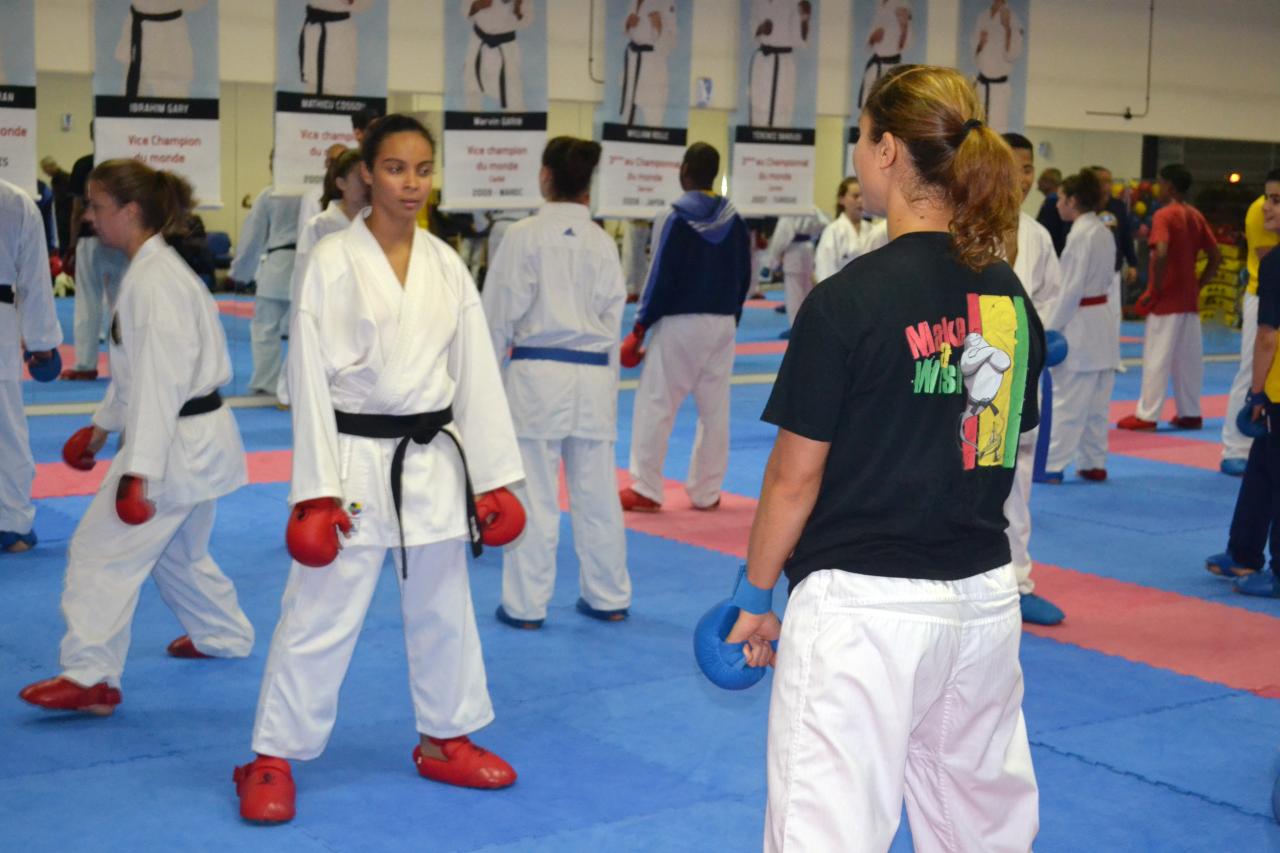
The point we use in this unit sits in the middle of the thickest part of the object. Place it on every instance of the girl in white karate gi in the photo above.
(554, 300)
(27, 321)
(792, 248)
(389, 339)
(492, 73)
(847, 237)
(179, 452)
(155, 48)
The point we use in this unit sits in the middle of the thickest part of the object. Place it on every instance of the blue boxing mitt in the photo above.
(724, 664)
(43, 370)
(1055, 348)
(1244, 418)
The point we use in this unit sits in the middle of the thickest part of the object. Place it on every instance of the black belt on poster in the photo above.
(6, 294)
(201, 405)
(136, 20)
(632, 80)
(775, 52)
(420, 429)
(321, 18)
(879, 62)
(494, 40)
(986, 83)
(291, 247)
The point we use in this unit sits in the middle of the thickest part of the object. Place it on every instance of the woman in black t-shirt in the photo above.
(909, 377)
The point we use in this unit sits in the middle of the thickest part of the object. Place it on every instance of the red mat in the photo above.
(761, 348)
(1167, 444)
(762, 303)
(236, 308)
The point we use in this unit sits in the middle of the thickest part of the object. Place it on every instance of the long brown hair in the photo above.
(844, 188)
(935, 112)
(340, 168)
(164, 198)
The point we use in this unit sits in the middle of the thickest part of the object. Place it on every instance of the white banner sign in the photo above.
(18, 93)
(638, 176)
(772, 172)
(155, 87)
(492, 169)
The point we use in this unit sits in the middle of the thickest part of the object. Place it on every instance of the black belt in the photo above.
(986, 83)
(879, 62)
(634, 79)
(292, 247)
(495, 40)
(775, 52)
(201, 405)
(6, 294)
(136, 20)
(321, 18)
(420, 429)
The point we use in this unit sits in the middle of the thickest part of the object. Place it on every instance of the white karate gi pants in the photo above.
(1017, 509)
(1172, 344)
(269, 324)
(98, 275)
(320, 619)
(687, 354)
(17, 467)
(1235, 445)
(797, 277)
(773, 89)
(599, 538)
(886, 686)
(997, 97)
(107, 563)
(497, 64)
(1081, 409)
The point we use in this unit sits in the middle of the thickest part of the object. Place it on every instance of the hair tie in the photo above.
(972, 124)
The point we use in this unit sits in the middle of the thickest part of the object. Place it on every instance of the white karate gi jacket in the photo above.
(361, 343)
(557, 282)
(331, 219)
(24, 264)
(783, 245)
(272, 222)
(1088, 269)
(1037, 266)
(167, 347)
(886, 18)
(839, 245)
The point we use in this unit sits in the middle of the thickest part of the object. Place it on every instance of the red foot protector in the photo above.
(501, 517)
(312, 534)
(63, 694)
(131, 501)
(76, 451)
(466, 765)
(266, 790)
(184, 648)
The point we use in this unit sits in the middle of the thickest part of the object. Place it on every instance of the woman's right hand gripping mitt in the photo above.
(312, 534)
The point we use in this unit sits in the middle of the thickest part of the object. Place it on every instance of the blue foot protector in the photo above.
(1222, 564)
(8, 539)
(1233, 467)
(524, 624)
(1040, 611)
(1052, 477)
(1262, 584)
(603, 615)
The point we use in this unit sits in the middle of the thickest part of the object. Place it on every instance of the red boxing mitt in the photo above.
(632, 353)
(131, 501)
(501, 517)
(76, 451)
(312, 534)
(1145, 303)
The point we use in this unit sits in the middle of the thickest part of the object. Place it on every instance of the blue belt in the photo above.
(568, 356)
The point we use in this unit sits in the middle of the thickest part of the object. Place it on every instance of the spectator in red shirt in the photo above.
(1172, 342)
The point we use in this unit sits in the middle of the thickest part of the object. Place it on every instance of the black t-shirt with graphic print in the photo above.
(921, 373)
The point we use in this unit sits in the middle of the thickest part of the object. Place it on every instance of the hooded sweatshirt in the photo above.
(701, 260)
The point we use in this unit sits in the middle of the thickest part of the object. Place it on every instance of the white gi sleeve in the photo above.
(783, 233)
(480, 412)
(253, 240)
(39, 321)
(824, 257)
(1049, 277)
(1074, 266)
(316, 472)
(610, 301)
(509, 289)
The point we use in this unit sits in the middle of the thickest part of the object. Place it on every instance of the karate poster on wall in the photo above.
(495, 122)
(773, 150)
(155, 87)
(886, 33)
(644, 118)
(993, 53)
(331, 63)
(18, 93)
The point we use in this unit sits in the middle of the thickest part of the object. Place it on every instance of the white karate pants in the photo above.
(773, 89)
(797, 277)
(498, 65)
(1172, 344)
(1081, 408)
(98, 274)
(17, 467)
(687, 354)
(107, 563)
(1235, 445)
(599, 539)
(997, 98)
(270, 322)
(890, 686)
(1017, 509)
(340, 57)
(320, 619)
